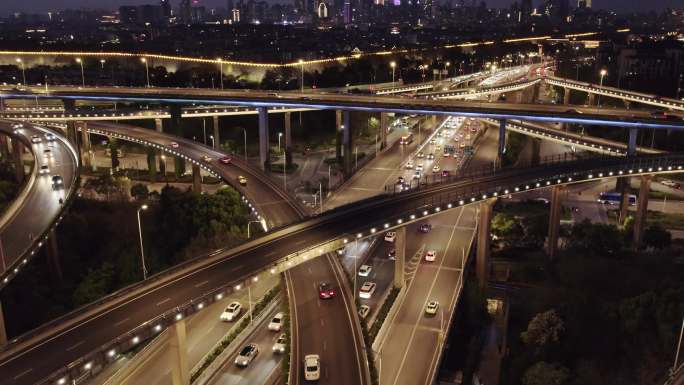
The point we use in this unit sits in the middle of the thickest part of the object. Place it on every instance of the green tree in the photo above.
(543, 373)
(140, 191)
(543, 329)
(113, 146)
(507, 228)
(95, 285)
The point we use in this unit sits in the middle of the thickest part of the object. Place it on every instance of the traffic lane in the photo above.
(41, 205)
(245, 260)
(316, 318)
(263, 365)
(382, 274)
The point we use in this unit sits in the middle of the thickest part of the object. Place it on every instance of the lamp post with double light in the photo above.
(147, 71)
(23, 71)
(80, 61)
(142, 250)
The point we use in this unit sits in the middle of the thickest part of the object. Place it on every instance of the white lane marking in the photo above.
(22, 374)
(163, 301)
(122, 321)
(75, 346)
(202, 283)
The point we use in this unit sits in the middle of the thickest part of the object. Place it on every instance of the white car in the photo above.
(365, 270)
(409, 165)
(431, 307)
(47, 154)
(669, 183)
(390, 236)
(206, 159)
(231, 312)
(247, 355)
(50, 137)
(44, 169)
(35, 139)
(312, 367)
(430, 255)
(419, 167)
(279, 345)
(276, 323)
(435, 168)
(367, 290)
(174, 144)
(363, 311)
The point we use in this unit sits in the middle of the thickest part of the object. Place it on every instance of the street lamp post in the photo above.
(301, 63)
(280, 135)
(244, 131)
(102, 63)
(147, 71)
(142, 250)
(221, 69)
(393, 64)
(284, 167)
(603, 74)
(213, 145)
(80, 61)
(23, 71)
(446, 68)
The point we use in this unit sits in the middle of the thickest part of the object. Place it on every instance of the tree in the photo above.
(114, 152)
(543, 373)
(506, 228)
(543, 329)
(140, 191)
(657, 237)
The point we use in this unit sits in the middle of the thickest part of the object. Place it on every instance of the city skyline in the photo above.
(38, 6)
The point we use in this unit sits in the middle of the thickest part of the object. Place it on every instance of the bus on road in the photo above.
(613, 198)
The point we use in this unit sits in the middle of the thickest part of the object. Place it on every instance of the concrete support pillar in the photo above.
(217, 137)
(384, 125)
(484, 238)
(72, 135)
(566, 96)
(158, 125)
(536, 151)
(3, 332)
(347, 142)
(85, 145)
(591, 99)
(535, 93)
(264, 156)
(642, 209)
(196, 179)
(622, 186)
(502, 141)
(4, 149)
(554, 220)
(52, 252)
(152, 163)
(176, 129)
(631, 145)
(17, 151)
(399, 257)
(288, 138)
(338, 135)
(180, 373)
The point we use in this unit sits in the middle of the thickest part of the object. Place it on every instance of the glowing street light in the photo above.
(147, 71)
(393, 64)
(603, 73)
(142, 250)
(102, 63)
(79, 61)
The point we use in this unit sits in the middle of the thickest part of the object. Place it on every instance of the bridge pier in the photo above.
(158, 125)
(566, 96)
(288, 138)
(180, 373)
(3, 332)
(399, 257)
(484, 227)
(631, 144)
(384, 125)
(502, 142)
(536, 151)
(642, 209)
(4, 149)
(554, 220)
(196, 179)
(591, 99)
(264, 155)
(622, 186)
(72, 134)
(347, 142)
(17, 150)
(52, 252)
(217, 138)
(176, 129)
(338, 135)
(86, 148)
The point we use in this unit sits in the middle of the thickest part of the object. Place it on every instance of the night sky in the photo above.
(8, 6)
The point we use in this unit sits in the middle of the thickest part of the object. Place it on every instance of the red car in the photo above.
(325, 291)
(225, 160)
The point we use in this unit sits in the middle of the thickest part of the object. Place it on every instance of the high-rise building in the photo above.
(128, 14)
(526, 8)
(185, 12)
(166, 7)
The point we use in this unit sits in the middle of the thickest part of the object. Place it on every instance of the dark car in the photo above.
(425, 227)
(325, 291)
(392, 254)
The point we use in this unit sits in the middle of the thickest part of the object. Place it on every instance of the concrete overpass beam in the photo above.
(17, 151)
(53, 256)
(3, 332)
(502, 142)
(196, 179)
(384, 125)
(631, 145)
(264, 155)
(347, 142)
(288, 138)
(554, 220)
(180, 373)
(566, 96)
(642, 209)
(217, 137)
(399, 257)
(484, 238)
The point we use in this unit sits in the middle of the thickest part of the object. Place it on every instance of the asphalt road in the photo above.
(41, 205)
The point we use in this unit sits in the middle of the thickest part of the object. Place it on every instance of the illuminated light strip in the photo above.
(581, 34)
(522, 39)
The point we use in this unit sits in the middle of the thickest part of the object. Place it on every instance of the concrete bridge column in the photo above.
(52, 252)
(153, 155)
(566, 96)
(176, 129)
(3, 332)
(631, 145)
(72, 134)
(264, 155)
(554, 220)
(502, 142)
(196, 179)
(399, 257)
(85, 145)
(180, 372)
(591, 99)
(158, 125)
(288, 138)
(622, 186)
(217, 138)
(484, 226)
(347, 142)
(642, 209)
(535, 92)
(384, 124)
(4, 150)
(338, 135)
(17, 151)
(536, 151)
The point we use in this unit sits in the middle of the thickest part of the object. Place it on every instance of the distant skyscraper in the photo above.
(185, 12)
(347, 12)
(526, 8)
(166, 8)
